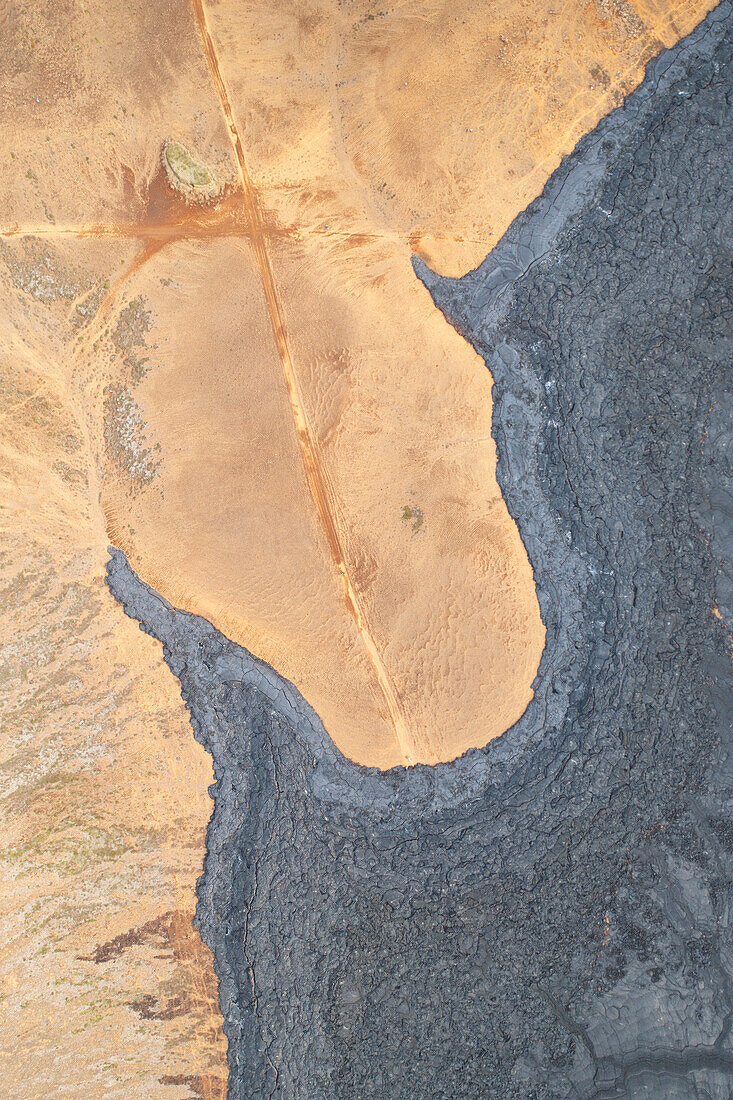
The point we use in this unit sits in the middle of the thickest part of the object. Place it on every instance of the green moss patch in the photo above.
(186, 168)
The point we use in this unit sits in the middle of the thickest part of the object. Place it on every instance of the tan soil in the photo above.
(255, 399)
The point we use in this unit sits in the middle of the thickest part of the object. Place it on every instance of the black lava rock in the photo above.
(548, 917)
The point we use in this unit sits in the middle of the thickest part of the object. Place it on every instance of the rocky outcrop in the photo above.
(548, 916)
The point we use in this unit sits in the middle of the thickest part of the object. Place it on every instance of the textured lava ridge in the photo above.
(548, 916)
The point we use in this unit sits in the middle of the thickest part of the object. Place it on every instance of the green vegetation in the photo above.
(415, 514)
(185, 167)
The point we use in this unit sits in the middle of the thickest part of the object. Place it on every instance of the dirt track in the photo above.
(321, 493)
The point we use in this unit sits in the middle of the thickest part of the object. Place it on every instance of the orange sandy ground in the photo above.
(248, 399)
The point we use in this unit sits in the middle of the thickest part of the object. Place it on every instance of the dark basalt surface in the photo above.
(550, 916)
